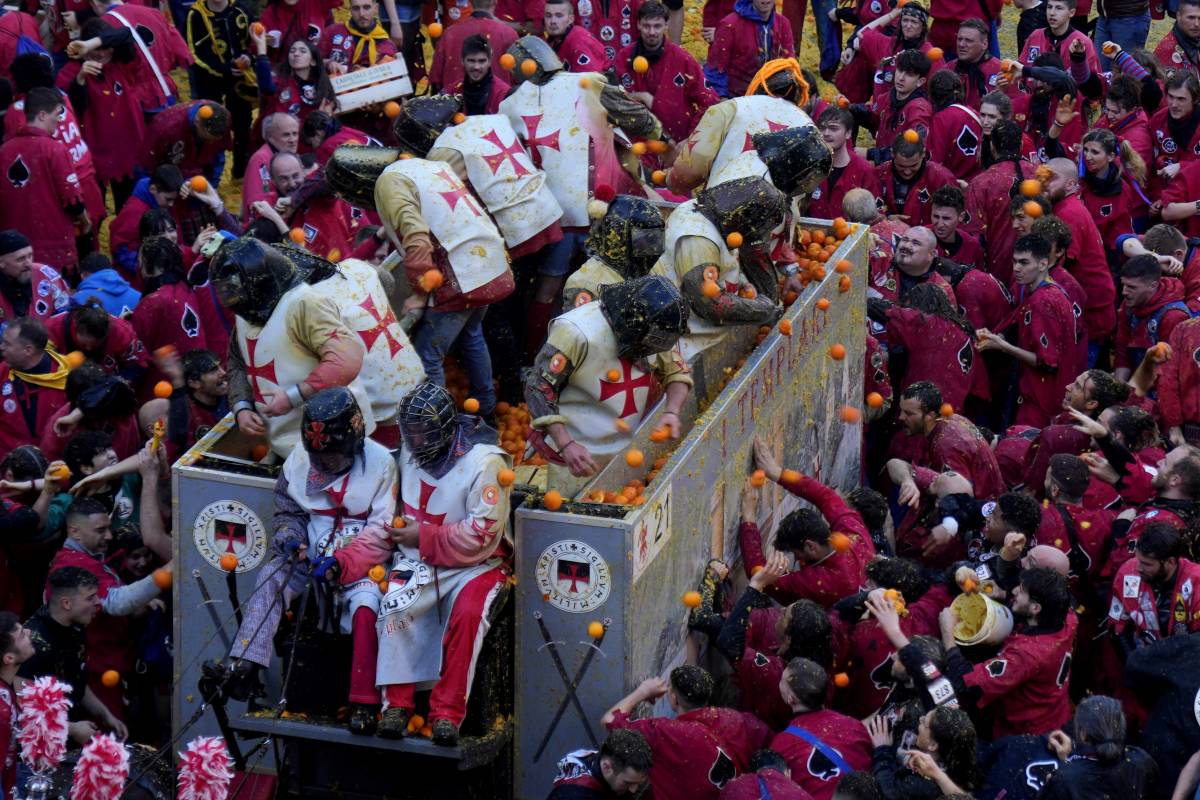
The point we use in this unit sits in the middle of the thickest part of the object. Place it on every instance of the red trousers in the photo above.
(364, 654)
(460, 648)
(795, 11)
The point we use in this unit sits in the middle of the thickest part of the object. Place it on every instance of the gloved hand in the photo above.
(290, 547)
(326, 568)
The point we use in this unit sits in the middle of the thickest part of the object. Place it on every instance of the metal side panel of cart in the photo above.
(629, 573)
(220, 506)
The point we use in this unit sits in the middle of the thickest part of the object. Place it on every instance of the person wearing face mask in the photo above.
(597, 368)
(909, 181)
(624, 243)
(442, 581)
(337, 488)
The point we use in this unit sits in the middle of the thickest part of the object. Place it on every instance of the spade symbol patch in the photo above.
(820, 766)
(18, 173)
(722, 770)
(967, 141)
(190, 322)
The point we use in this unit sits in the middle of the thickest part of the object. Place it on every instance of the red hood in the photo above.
(1170, 290)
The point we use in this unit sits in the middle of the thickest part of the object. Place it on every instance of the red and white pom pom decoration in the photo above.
(205, 770)
(102, 770)
(43, 722)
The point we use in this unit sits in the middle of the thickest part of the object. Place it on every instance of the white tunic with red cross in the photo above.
(464, 518)
(756, 114)
(366, 495)
(503, 175)
(471, 240)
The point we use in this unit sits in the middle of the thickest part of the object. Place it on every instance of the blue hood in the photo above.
(141, 190)
(113, 292)
(745, 8)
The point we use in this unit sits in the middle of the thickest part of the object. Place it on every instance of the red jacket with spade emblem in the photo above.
(170, 315)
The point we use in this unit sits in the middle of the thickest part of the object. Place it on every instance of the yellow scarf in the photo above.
(47, 380)
(377, 34)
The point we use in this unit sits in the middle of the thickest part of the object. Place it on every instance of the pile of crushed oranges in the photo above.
(815, 246)
(514, 425)
(633, 493)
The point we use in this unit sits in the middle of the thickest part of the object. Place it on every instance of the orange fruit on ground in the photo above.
(529, 67)
(837, 352)
(734, 239)
(163, 389)
(435, 29)
(75, 358)
(259, 452)
(296, 235)
(935, 54)
(758, 478)
(205, 112)
(505, 477)
(391, 109)
(785, 327)
(851, 414)
(946, 410)
(875, 400)
(1031, 187)
(1033, 209)
(199, 184)
(552, 500)
(595, 629)
(228, 562)
(508, 61)
(839, 541)
(844, 266)
(789, 476)
(691, 599)
(163, 578)
(641, 65)
(638, 148)
(841, 680)
(110, 678)
(823, 304)
(634, 458)
(658, 176)
(471, 405)
(912, 136)
(432, 280)
(711, 290)
(377, 573)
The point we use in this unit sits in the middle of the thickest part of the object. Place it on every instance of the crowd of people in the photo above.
(567, 214)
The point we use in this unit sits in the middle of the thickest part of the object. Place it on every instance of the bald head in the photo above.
(287, 173)
(947, 483)
(1047, 557)
(282, 132)
(1064, 180)
(916, 250)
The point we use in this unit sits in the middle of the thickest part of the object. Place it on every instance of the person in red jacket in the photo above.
(819, 745)
(909, 180)
(829, 567)
(109, 341)
(1110, 187)
(167, 314)
(28, 289)
(947, 443)
(161, 189)
(15, 649)
(974, 64)
(161, 46)
(32, 383)
(1029, 679)
(289, 21)
(361, 42)
(1175, 129)
(691, 761)
(1157, 572)
(849, 171)
(769, 776)
(1177, 484)
(15, 25)
(1153, 305)
(673, 88)
(904, 107)
(1057, 37)
(481, 87)
(620, 768)
(323, 133)
(747, 38)
(328, 222)
(1085, 257)
(1175, 53)
(190, 137)
(1179, 385)
(1125, 117)
(955, 134)
(578, 49)
(1180, 200)
(447, 69)
(988, 196)
(948, 206)
(1176, 254)
(40, 193)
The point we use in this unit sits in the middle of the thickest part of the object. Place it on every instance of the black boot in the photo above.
(445, 733)
(394, 723)
(363, 719)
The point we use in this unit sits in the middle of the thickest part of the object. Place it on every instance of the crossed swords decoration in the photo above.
(571, 685)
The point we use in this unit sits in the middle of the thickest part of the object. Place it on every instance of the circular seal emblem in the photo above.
(405, 579)
(228, 526)
(573, 577)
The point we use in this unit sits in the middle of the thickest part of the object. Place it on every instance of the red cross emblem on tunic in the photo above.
(507, 153)
(627, 385)
(382, 328)
(422, 514)
(229, 532)
(534, 141)
(771, 128)
(256, 373)
(453, 196)
(483, 528)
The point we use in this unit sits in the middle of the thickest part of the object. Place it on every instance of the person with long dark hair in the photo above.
(942, 760)
(1096, 763)
(299, 84)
